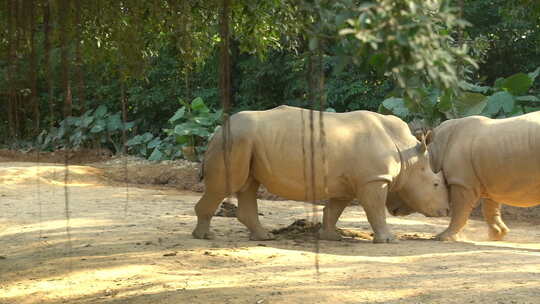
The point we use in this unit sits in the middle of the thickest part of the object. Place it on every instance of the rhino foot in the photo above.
(330, 235)
(447, 237)
(208, 235)
(497, 232)
(385, 238)
(261, 236)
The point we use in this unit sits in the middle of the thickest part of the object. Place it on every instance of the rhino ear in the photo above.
(429, 137)
(419, 134)
(422, 147)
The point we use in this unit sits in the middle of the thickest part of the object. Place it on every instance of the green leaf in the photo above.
(183, 139)
(101, 111)
(528, 98)
(177, 115)
(518, 84)
(534, 74)
(313, 43)
(114, 122)
(86, 121)
(395, 106)
(470, 104)
(473, 87)
(129, 125)
(498, 83)
(135, 140)
(146, 137)
(203, 120)
(154, 143)
(156, 155)
(98, 127)
(198, 105)
(499, 101)
(445, 103)
(378, 61)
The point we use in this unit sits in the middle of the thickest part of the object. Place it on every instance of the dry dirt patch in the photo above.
(134, 245)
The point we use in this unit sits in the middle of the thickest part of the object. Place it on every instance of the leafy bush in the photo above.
(189, 130)
(508, 97)
(95, 127)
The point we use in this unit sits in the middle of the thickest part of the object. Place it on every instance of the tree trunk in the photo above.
(225, 59)
(11, 59)
(78, 57)
(33, 68)
(47, 55)
(64, 15)
(124, 116)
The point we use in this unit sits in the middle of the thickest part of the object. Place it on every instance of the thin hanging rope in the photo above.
(67, 210)
(38, 195)
(225, 92)
(124, 147)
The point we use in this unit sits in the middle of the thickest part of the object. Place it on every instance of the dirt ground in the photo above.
(132, 244)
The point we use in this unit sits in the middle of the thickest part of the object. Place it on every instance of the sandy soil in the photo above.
(133, 244)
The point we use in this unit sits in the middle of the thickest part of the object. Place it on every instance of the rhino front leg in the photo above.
(373, 198)
(331, 213)
(461, 204)
(248, 213)
(492, 215)
(205, 209)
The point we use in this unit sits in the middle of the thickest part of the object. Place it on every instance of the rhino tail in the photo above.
(201, 171)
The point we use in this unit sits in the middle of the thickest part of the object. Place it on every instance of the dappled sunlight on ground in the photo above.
(140, 250)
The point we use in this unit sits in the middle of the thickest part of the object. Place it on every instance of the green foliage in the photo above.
(410, 38)
(93, 128)
(504, 99)
(189, 129)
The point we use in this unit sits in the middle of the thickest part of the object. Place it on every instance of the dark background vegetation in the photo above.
(74, 72)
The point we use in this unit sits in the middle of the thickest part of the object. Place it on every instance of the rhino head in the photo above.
(422, 190)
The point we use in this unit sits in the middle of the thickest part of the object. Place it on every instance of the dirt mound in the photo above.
(227, 210)
(305, 228)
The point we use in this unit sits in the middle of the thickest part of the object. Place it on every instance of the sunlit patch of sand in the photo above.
(77, 176)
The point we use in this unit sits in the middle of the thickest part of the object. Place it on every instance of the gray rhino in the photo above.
(366, 156)
(494, 159)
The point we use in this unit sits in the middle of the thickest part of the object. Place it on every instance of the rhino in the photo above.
(494, 159)
(362, 155)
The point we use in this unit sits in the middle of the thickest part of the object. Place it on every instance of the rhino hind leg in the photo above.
(373, 199)
(492, 215)
(331, 213)
(248, 214)
(205, 209)
(462, 201)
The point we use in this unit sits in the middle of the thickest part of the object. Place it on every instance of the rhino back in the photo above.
(357, 149)
(506, 158)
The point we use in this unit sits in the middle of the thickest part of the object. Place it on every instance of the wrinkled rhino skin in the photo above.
(367, 155)
(494, 159)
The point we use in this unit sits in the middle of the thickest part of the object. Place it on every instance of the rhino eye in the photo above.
(436, 184)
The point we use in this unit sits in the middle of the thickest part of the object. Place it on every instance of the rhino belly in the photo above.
(519, 193)
(295, 185)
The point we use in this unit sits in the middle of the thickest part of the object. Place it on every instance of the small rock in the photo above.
(227, 210)
(170, 254)
(110, 292)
